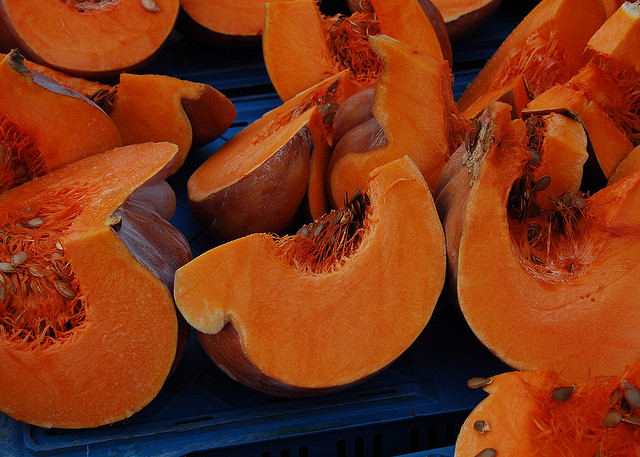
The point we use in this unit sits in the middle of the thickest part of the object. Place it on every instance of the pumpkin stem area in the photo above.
(552, 244)
(322, 245)
(90, 6)
(348, 38)
(20, 158)
(39, 297)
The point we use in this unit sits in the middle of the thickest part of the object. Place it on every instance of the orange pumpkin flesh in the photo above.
(44, 125)
(89, 332)
(257, 180)
(545, 290)
(153, 108)
(547, 47)
(309, 322)
(534, 413)
(425, 123)
(627, 166)
(302, 47)
(95, 33)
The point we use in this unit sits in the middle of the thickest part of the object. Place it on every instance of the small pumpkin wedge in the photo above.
(87, 38)
(627, 166)
(44, 126)
(547, 47)
(223, 22)
(421, 121)
(88, 328)
(598, 416)
(155, 108)
(315, 312)
(258, 179)
(302, 47)
(463, 17)
(531, 285)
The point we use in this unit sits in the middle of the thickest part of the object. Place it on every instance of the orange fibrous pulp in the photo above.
(20, 158)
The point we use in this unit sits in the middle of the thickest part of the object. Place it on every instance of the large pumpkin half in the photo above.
(94, 38)
(329, 306)
(88, 327)
(542, 287)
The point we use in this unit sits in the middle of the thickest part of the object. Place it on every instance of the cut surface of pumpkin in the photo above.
(547, 47)
(258, 179)
(44, 126)
(421, 121)
(535, 413)
(89, 38)
(302, 47)
(544, 288)
(88, 328)
(324, 308)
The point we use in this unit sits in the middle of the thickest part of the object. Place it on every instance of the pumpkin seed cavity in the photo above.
(90, 6)
(40, 301)
(324, 244)
(348, 38)
(20, 158)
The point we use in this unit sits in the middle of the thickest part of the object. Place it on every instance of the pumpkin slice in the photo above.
(87, 37)
(463, 17)
(534, 413)
(547, 47)
(44, 126)
(357, 316)
(257, 180)
(517, 93)
(155, 108)
(419, 120)
(89, 330)
(549, 289)
(627, 166)
(226, 22)
(302, 47)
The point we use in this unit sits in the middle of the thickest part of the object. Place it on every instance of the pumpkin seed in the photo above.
(632, 394)
(36, 271)
(633, 420)
(615, 396)
(35, 222)
(477, 382)
(7, 267)
(65, 289)
(612, 419)
(481, 426)
(19, 258)
(150, 5)
(562, 394)
(542, 183)
(3, 292)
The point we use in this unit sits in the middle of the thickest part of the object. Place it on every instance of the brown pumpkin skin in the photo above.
(464, 17)
(564, 26)
(295, 318)
(299, 53)
(550, 417)
(91, 44)
(257, 181)
(422, 121)
(45, 125)
(528, 301)
(113, 357)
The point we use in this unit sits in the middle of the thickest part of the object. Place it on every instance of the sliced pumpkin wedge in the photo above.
(329, 306)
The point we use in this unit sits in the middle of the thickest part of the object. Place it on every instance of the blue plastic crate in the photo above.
(414, 408)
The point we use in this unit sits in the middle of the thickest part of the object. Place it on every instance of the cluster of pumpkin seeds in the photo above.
(32, 267)
(625, 406)
(323, 243)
